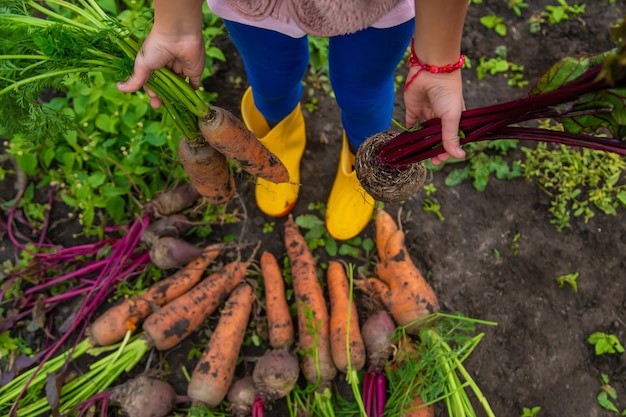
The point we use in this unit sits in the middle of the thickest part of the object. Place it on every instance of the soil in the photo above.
(538, 354)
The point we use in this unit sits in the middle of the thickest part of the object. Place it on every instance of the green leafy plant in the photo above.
(608, 396)
(530, 411)
(605, 343)
(499, 65)
(556, 14)
(579, 181)
(517, 6)
(317, 236)
(494, 23)
(483, 160)
(568, 279)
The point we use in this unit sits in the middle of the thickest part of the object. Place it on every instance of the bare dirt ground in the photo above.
(538, 354)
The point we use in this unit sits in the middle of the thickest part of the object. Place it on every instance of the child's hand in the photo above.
(184, 55)
(437, 95)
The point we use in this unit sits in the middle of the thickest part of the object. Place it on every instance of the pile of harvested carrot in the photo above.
(326, 338)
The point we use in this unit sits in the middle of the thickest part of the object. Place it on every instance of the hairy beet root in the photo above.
(145, 397)
(387, 184)
(241, 396)
(275, 374)
(377, 331)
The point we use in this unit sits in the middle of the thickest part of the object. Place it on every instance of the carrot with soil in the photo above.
(276, 373)
(409, 296)
(207, 170)
(177, 319)
(226, 133)
(279, 321)
(112, 325)
(347, 346)
(213, 375)
(316, 360)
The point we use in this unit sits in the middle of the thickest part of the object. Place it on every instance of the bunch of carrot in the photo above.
(169, 311)
(425, 368)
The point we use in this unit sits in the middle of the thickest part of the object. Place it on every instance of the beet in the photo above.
(275, 374)
(144, 396)
(376, 332)
(172, 201)
(174, 225)
(241, 396)
(169, 252)
(384, 183)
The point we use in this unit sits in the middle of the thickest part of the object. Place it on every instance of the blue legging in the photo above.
(362, 67)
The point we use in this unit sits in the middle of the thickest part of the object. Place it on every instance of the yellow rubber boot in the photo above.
(350, 207)
(287, 141)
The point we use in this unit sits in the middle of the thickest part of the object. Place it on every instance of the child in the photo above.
(367, 41)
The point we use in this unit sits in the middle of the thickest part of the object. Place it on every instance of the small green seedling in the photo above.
(268, 227)
(517, 6)
(429, 206)
(494, 23)
(568, 279)
(530, 412)
(605, 343)
(606, 398)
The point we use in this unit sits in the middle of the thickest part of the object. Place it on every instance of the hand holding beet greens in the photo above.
(584, 93)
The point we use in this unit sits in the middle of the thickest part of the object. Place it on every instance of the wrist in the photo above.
(178, 18)
(415, 62)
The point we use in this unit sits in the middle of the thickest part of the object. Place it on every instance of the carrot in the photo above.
(410, 297)
(279, 322)
(417, 408)
(213, 375)
(385, 227)
(313, 320)
(113, 324)
(178, 318)
(207, 170)
(345, 334)
(226, 133)
(412, 402)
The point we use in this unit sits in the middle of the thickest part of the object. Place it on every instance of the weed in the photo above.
(517, 6)
(530, 412)
(482, 163)
(557, 14)
(605, 343)
(429, 206)
(268, 227)
(608, 396)
(499, 65)
(494, 23)
(568, 279)
(579, 181)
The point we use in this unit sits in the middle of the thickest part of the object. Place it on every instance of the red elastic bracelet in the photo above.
(415, 62)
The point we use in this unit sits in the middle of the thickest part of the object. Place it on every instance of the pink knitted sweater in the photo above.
(296, 18)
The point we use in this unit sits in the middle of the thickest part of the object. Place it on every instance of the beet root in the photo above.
(145, 397)
(386, 184)
(377, 331)
(172, 201)
(275, 374)
(174, 225)
(241, 396)
(169, 252)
